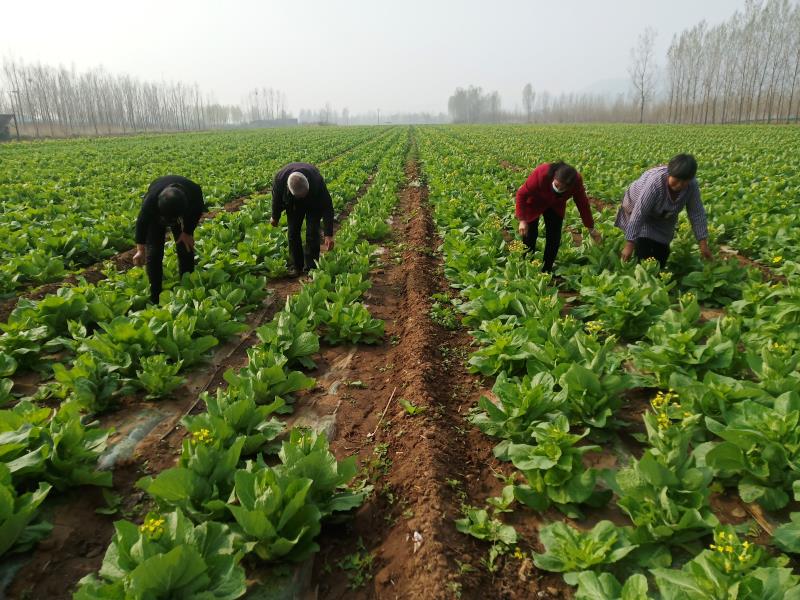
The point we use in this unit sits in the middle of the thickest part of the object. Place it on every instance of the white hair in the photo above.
(298, 184)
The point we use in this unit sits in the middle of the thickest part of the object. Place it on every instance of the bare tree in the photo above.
(528, 101)
(643, 68)
(61, 102)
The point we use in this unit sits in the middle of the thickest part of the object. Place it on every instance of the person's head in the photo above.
(680, 171)
(171, 203)
(298, 185)
(564, 176)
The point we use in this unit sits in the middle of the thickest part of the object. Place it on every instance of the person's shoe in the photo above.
(293, 272)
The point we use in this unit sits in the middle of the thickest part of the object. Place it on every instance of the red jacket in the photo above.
(536, 195)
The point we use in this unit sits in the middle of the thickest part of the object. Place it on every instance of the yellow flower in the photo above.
(594, 327)
(202, 436)
(776, 259)
(729, 549)
(153, 527)
(518, 554)
(516, 247)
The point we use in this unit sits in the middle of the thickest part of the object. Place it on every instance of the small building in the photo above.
(285, 122)
(5, 124)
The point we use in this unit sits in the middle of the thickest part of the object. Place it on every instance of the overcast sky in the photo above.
(362, 54)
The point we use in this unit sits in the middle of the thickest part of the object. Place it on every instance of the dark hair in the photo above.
(566, 174)
(683, 167)
(172, 202)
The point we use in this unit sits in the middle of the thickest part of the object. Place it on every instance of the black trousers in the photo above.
(647, 248)
(552, 233)
(295, 215)
(156, 235)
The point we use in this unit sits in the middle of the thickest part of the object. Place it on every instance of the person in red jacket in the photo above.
(545, 193)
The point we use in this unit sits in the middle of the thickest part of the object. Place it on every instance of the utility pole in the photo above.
(30, 105)
(14, 110)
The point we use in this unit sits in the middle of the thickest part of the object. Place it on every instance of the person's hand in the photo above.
(627, 251)
(705, 252)
(328, 244)
(187, 240)
(523, 228)
(273, 222)
(140, 257)
(596, 237)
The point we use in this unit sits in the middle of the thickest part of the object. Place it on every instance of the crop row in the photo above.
(722, 390)
(749, 177)
(71, 203)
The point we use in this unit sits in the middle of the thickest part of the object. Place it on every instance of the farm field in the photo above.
(427, 415)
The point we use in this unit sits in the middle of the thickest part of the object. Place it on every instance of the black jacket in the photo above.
(318, 199)
(148, 215)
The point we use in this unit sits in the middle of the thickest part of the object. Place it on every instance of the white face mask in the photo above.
(556, 190)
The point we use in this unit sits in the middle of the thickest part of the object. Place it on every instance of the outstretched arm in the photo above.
(278, 190)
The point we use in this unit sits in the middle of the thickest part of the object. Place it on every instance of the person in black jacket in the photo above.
(300, 190)
(175, 202)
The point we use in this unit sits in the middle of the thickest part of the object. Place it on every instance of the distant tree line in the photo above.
(329, 115)
(473, 105)
(56, 101)
(744, 70)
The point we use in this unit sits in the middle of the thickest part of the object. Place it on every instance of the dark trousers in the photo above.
(552, 233)
(295, 216)
(647, 248)
(156, 235)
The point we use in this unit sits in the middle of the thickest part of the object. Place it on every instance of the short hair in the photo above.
(172, 202)
(683, 167)
(298, 184)
(566, 174)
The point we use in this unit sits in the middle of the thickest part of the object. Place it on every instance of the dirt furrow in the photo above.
(405, 530)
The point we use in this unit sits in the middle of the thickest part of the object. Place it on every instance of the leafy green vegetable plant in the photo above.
(291, 337)
(19, 530)
(231, 416)
(477, 523)
(168, 557)
(760, 450)
(554, 471)
(158, 376)
(349, 323)
(203, 480)
(570, 551)
(729, 568)
(275, 513)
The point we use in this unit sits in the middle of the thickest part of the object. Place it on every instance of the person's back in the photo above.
(299, 189)
(173, 202)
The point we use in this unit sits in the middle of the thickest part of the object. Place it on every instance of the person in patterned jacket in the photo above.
(649, 211)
